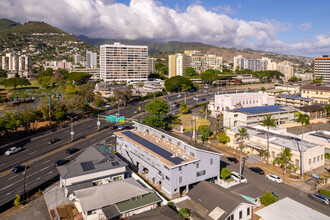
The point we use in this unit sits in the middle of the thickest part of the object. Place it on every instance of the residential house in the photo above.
(163, 213)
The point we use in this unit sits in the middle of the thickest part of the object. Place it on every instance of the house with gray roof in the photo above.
(213, 202)
(95, 165)
(115, 200)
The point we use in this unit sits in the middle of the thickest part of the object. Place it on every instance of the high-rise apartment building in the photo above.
(151, 65)
(91, 59)
(286, 68)
(77, 59)
(119, 62)
(15, 63)
(322, 68)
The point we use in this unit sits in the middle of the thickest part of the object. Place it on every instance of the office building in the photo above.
(169, 163)
(319, 93)
(322, 68)
(240, 100)
(91, 59)
(119, 62)
(254, 115)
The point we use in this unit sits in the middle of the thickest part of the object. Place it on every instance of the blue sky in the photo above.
(297, 27)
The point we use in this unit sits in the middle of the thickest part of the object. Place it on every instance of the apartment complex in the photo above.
(254, 115)
(312, 152)
(13, 63)
(193, 58)
(322, 68)
(241, 100)
(151, 65)
(119, 62)
(91, 59)
(167, 162)
(77, 59)
(292, 100)
(319, 93)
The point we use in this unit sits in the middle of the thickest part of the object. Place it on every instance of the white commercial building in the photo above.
(240, 100)
(91, 59)
(254, 115)
(119, 62)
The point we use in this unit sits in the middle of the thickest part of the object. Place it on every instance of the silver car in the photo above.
(320, 198)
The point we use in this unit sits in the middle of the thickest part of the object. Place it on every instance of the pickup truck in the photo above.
(13, 150)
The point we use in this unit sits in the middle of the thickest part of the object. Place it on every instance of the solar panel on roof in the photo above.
(87, 166)
(151, 146)
(261, 109)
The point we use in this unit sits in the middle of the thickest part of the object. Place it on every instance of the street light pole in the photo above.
(301, 161)
(98, 123)
(71, 133)
(24, 182)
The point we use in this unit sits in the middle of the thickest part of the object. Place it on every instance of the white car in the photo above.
(235, 176)
(13, 150)
(274, 178)
(179, 96)
(195, 98)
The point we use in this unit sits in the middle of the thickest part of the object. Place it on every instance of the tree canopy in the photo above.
(177, 83)
(157, 108)
(190, 71)
(14, 82)
(294, 79)
(209, 76)
(205, 131)
(78, 77)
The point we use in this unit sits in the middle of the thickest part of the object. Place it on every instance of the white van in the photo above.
(235, 176)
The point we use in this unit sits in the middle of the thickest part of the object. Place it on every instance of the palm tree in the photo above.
(268, 122)
(303, 119)
(242, 133)
(184, 108)
(283, 159)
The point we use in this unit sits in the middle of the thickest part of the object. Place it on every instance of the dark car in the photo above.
(232, 159)
(257, 170)
(113, 127)
(18, 168)
(320, 198)
(61, 162)
(53, 140)
(122, 127)
(72, 150)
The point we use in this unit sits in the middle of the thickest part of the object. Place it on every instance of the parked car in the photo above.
(320, 198)
(232, 159)
(274, 178)
(235, 176)
(195, 98)
(121, 127)
(13, 150)
(257, 170)
(61, 162)
(72, 150)
(179, 96)
(53, 140)
(19, 168)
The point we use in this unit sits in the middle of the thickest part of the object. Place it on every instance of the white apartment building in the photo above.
(20, 64)
(151, 65)
(119, 62)
(193, 58)
(91, 59)
(322, 68)
(312, 152)
(254, 115)
(240, 100)
(77, 59)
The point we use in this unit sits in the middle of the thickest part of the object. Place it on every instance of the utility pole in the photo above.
(50, 106)
(71, 133)
(24, 182)
(98, 122)
(185, 97)
(301, 161)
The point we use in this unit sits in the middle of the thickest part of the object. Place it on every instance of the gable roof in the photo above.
(111, 193)
(211, 196)
(161, 213)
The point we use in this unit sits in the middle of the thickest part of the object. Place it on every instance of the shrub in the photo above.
(324, 192)
(225, 173)
(171, 205)
(223, 138)
(184, 213)
(17, 201)
(267, 199)
(327, 156)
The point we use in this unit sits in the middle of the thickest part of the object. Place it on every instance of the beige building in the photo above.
(192, 58)
(312, 152)
(286, 68)
(119, 62)
(322, 68)
(292, 100)
(319, 93)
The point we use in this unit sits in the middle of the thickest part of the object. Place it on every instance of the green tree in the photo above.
(46, 81)
(327, 108)
(205, 131)
(17, 201)
(29, 116)
(184, 109)
(190, 71)
(98, 100)
(268, 122)
(294, 79)
(283, 159)
(303, 119)
(263, 89)
(14, 82)
(267, 199)
(123, 95)
(157, 108)
(241, 134)
(10, 121)
(155, 121)
(184, 213)
(209, 76)
(223, 138)
(174, 83)
(78, 77)
(225, 173)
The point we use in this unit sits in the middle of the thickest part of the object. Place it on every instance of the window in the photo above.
(230, 217)
(321, 156)
(297, 162)
(318, 158)
(240, 214)
(211, 161)
(197, 165)
(313, 159)
(167, 178)
(310, 161)
(180, 179)
(180, 169)
(248, 211)
(166, 167)
(201, 173)
(273, 154)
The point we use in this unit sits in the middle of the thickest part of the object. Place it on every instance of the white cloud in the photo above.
(306, 26)
(226, 9)
(150, 20)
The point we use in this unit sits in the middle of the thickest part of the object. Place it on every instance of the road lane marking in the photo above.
(69, 156)
(43, 169)
(50, 172)
(93, 140)
(12, 177)
(2, 164)
(7, 186)
(46, 161)
(90, 125)
(32, 152)
(78, 134)
(8, 193)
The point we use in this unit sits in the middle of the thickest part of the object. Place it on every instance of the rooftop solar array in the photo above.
(154, 148)
(261, 109)
(86, 166)
(293, 97)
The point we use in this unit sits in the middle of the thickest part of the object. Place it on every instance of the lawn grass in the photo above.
(186, 122)
(34, 84)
